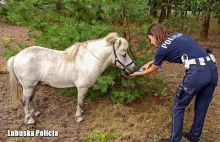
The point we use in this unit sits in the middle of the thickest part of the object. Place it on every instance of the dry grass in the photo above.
(142, 121)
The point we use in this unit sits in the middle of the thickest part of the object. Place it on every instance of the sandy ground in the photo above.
(142, 121)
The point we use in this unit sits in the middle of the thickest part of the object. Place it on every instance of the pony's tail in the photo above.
(15, 86)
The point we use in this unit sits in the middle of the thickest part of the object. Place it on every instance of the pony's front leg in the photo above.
(81, 95)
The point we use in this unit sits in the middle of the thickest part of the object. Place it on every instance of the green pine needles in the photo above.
(62, 23)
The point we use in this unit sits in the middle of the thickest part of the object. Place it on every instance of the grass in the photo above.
(9, 52)
(98, 136)
(144, 120)
(149, 120)
(135, 123)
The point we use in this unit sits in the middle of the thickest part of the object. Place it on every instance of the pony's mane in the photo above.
(71, 51)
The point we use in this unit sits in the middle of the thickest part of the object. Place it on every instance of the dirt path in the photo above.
(143, 121)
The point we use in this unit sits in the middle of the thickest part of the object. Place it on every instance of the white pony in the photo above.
(79, 65)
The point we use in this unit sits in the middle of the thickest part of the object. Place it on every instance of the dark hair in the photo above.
(159, 32)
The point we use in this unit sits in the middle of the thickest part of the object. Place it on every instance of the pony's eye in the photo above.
(124, 55)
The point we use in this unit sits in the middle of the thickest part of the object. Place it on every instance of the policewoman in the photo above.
(199, 81)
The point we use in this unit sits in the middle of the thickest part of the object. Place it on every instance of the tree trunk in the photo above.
(59, 6)
(194, 12)
(219, 20)
(206, 19)
(162, 15)
(185, 15)
(168, 11)
(99, 12)
(182, 13)
(205, 27)
(219, 24)
(176, 12)
(198, 16)
(153, 10)
(168, 8)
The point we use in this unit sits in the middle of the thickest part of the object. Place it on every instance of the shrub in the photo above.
(62, 23)
(186, 25)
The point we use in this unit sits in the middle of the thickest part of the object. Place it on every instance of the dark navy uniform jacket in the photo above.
(174, 46)
(199, 80)
(172, 49)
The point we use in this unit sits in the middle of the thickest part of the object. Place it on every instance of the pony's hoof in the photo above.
(31, 121)
(37, 113)
(79, 119)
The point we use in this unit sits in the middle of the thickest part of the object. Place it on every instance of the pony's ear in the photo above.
(111, 42)
(111, 38)
(118, 43)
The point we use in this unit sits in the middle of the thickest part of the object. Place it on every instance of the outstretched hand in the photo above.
(146, 66)
(135, 74)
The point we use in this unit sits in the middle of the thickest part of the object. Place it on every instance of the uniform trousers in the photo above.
(199, 81)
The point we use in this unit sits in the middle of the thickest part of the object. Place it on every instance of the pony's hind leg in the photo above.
(32, 108)
(80, 97)
(29, 109)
